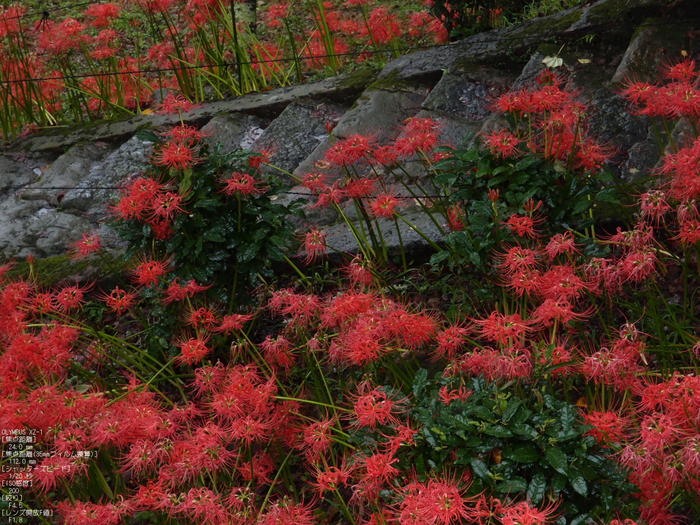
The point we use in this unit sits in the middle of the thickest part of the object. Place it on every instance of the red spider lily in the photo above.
(449, 341)
(502, 143)
(317, 438)
(278, 352)
(360, 188)
(175, 155)
(331, 478)
(165, 205)
(275, 14)
(365, 344)
(173, 104)
(689, 234)
(591, 155)
(201, 318)
(653, 206)
(384, 155)
(412, 329)
(383, 26)
(559, 244)
(315, 181)
(639, 264)
(251, 430)
(385, 206)
(329, 195)
(608, 427)
(119, 300)
(376, 470)
(93, 513)
(287, 513)
(70, 297)
(517, 259)
(683, 71)
(447, 396)
(375, 408)
(233, 323)
(186, 134)
(314, 245)
(359, 271)
(557, 310)
(193, 350)
(524, 514)
(501, 328)
(523, 225)
(208, 379)
(241, 184)
(149, 272)
(103, 14)
(349, 150)
(561, 282)
(85, 247)
(416, 142)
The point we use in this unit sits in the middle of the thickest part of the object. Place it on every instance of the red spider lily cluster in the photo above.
(351, 168)
(89, 65)
(551, 121)
(249, 426)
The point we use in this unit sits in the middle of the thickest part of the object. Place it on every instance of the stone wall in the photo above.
(55, 185)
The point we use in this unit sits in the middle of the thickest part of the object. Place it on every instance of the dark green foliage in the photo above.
(518, 443)
(224, 241)
(471, 174)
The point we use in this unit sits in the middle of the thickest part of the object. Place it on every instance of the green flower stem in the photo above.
(311, 402)
(415, 229)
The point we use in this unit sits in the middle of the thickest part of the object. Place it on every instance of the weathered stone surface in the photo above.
(234, 130)
(377, 113)
(20, 169)
(339, 237)
(652, 44)
(611, 123)
(66, 172)
(32, 227)
(296, 132)
(498, 44)
(340, 88)
(467, 92)
(99, 184)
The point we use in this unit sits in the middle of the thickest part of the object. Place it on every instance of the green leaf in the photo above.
(557, 459)
(535, 492)
(558, 482)
(568, 418)
(437, 258)
(200, 275)
(526, 163)
(248, 253)
(513, 406)
(578, 482)
(208, 204)
(523, 453)
(480, 469)
(503, 169)
(419, 382)
(498, 431)
(581, 206)
(213, 236)
(512, 486)
(607, 195)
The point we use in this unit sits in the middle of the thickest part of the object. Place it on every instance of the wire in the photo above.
(26, 187)
(290, 59)
(34, 13)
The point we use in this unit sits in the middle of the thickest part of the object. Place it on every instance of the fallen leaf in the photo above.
(553, 61)
(584, 60)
